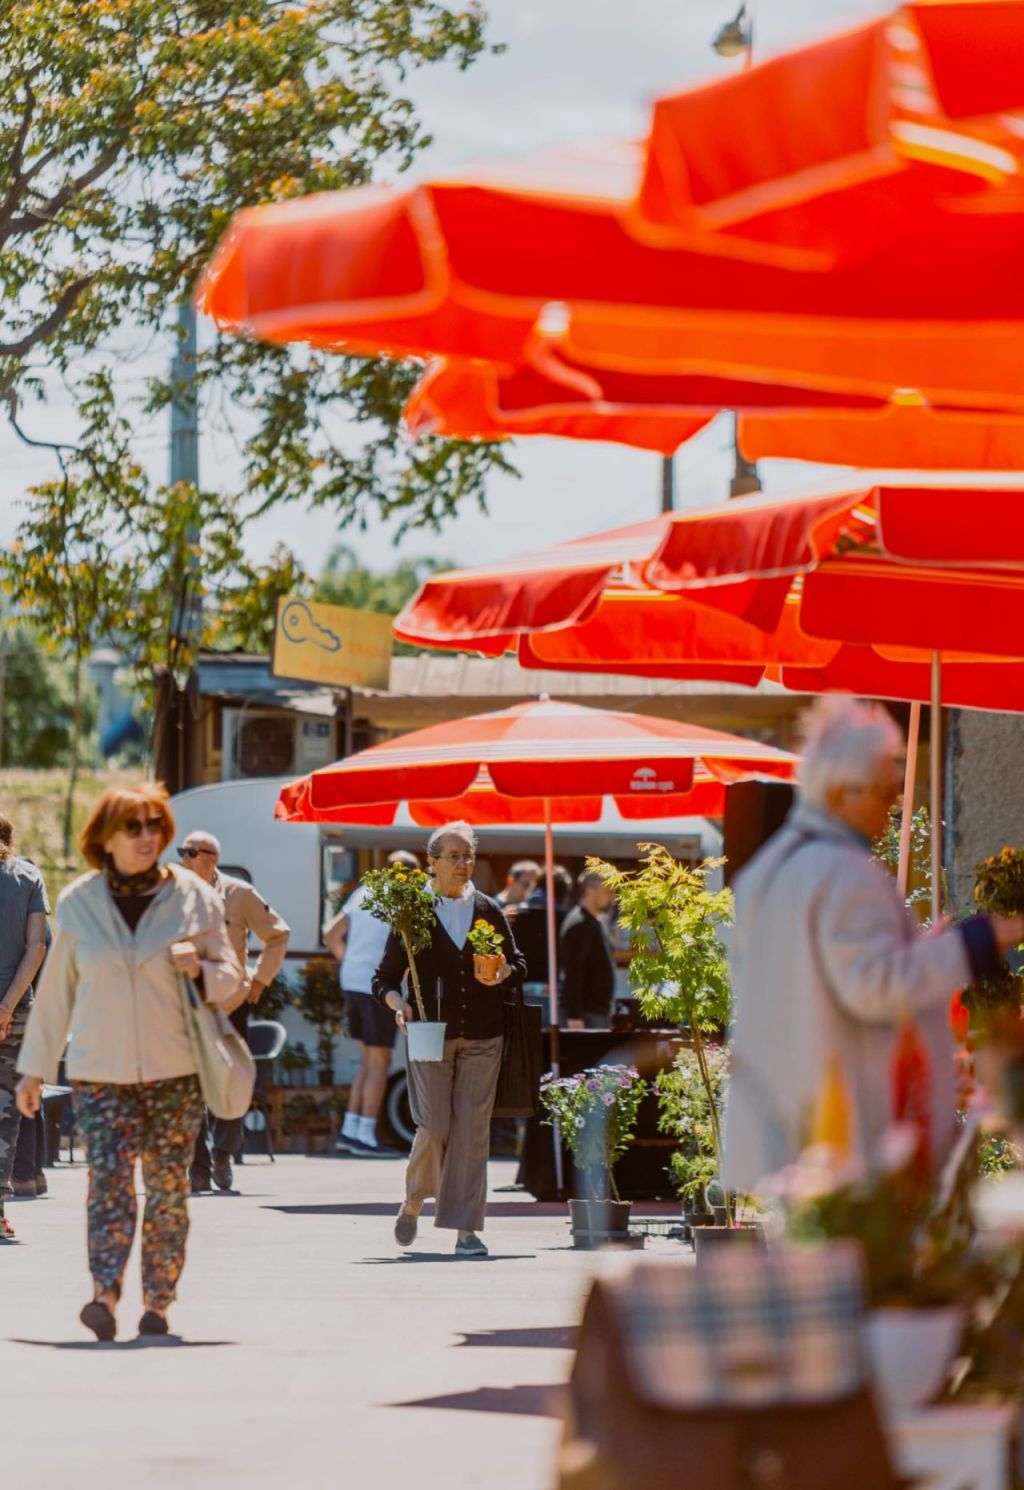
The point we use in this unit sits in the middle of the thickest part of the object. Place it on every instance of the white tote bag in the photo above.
(224, 1063)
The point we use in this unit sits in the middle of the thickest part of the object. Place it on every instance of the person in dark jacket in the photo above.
(586, 958)
(452, 1099)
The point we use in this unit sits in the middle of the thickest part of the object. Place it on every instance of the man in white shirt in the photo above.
(357, 940)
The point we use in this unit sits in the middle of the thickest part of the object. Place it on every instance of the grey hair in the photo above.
(404, 857)
(589, 880)
(449, 830)
(525, 866)
(201, 839)
(844, 741)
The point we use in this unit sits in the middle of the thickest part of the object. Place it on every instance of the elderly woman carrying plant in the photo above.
(458, 979)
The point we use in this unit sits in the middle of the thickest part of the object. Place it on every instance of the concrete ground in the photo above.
(309, 1347)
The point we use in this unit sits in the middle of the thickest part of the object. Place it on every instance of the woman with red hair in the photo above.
(127, 934)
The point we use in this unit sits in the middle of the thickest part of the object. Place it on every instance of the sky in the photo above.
(573, 71)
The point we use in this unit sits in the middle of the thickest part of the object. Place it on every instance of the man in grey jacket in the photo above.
(828, 964)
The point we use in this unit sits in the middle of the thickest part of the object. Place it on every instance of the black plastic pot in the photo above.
(598, 1222)
(707, 1240)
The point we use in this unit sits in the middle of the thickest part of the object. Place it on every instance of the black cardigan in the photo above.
(471, 1010)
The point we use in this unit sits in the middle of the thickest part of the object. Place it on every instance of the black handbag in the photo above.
(522, 1060)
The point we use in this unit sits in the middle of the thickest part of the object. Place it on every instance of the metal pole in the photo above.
(668, 486)
(184, 467)
(909, 782)
(936, 773)
(549, 896)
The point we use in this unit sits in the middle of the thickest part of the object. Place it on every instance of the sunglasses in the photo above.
(136, 826)
(193, 853)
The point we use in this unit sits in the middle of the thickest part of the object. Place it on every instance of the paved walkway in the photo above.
(310, 1350)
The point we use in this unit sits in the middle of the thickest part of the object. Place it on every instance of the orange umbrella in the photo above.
(832, 151)
(897, 437)
(477, 268)
(550, 396)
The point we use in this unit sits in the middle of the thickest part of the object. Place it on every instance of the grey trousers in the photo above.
(451, 1102)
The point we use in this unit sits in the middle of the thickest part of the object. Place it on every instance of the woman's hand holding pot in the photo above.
(502, 972)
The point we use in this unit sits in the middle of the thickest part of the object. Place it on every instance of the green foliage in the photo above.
(683, 1113)
(131, 131)
(998, 889)
(485, 939)
(346, 581)
(38, 702)
(997, 1155)
(679, 967)
(321, 1002)
(403, 898)
(596, 1113)
(887, 849)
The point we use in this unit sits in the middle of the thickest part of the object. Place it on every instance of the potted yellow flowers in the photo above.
(485, 940)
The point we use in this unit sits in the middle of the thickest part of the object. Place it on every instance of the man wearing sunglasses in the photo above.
(246, 912)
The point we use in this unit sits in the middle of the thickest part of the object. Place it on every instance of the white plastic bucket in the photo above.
(426, 1040)
(910, 1352)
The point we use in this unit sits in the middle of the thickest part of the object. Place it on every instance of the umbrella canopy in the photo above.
(852, 590)
(470, 268)
(897, 437)
(544, 750)
(830, 151)
(550, 396)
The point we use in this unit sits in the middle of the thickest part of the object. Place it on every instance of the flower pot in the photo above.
(910, 1352)
(426, 1040)
(486, 968)
(709, 1240)
(598, 1222)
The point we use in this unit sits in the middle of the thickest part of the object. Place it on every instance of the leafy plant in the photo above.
(485, 939)
(999, 889)
(683, 1113)
(404, 899)
(887, 850)
(596, 1113)
(322, 1004)
(679, 967)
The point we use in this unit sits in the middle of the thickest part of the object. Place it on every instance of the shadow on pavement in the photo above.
(390, 1208)
(141, 1342)
(540, 1337)
(406, 1257)
(534, 1400)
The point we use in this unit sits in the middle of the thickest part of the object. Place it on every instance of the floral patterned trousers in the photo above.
(155, 1122)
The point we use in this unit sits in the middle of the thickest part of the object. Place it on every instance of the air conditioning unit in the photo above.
(273, 742)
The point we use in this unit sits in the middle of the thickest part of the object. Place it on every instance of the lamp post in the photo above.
(736, 37)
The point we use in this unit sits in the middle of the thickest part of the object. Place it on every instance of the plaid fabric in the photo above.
(749, 1328)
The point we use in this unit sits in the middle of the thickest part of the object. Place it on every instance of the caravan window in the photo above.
(339, 872)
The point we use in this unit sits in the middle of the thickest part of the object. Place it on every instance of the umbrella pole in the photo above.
(909, 782)
(549, 897)
(936, 784)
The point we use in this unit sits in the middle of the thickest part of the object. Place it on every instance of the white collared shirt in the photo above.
(455, 913)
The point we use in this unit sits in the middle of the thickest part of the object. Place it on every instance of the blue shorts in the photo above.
(368, 1022)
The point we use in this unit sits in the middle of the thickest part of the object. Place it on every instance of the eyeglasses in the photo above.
(193, 853)
(136, 826)
(458, 858)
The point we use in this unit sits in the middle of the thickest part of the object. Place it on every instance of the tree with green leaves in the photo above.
(37, 709)
(679, 967)
(131, 131)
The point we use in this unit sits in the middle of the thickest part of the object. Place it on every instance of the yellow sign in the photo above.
(331, 644)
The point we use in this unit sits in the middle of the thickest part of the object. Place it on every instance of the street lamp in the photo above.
(736, 36)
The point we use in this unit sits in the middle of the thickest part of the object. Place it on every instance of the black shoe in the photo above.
(98, 1318)
(200, 1184)
(153, 1323)
(223, 1175)
(25, 1189)
(41, 1186)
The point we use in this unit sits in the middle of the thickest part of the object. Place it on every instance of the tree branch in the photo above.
(43, 215)
(45, 328)
(17, 160)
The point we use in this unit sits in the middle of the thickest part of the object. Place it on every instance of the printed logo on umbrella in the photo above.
(646, 779)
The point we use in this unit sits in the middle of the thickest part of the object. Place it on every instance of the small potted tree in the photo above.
(403, 899)
(683, 1113)
(678, 968)
(596, 1113)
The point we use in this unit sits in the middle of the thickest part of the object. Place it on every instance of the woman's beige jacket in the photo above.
(116, 994)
